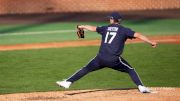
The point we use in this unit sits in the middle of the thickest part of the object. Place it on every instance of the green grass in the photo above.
(147, 27)
(7, 38)
(156, 27)
(37, 70)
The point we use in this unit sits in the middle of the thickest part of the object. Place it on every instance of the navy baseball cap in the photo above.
(115, 16)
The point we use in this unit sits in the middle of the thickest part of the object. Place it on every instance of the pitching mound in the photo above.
(158, 94)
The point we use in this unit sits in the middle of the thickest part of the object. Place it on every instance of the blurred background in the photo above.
(34, 21)
(19, 11)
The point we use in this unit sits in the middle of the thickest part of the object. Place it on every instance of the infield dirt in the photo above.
(131, 94)
(160, 39)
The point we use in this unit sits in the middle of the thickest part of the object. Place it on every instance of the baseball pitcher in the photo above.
(113, 40)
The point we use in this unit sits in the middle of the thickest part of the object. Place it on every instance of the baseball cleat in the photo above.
(143, 89)
(64, 83)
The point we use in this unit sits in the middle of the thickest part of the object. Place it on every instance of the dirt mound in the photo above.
(158, 94)
(160, 39)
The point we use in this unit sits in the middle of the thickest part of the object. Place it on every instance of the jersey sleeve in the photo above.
(100, 30)
(129, 33)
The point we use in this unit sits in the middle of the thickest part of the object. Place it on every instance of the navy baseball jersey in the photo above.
(112, 45)
(113, 40)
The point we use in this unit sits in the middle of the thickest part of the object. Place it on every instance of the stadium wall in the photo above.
(66, 6)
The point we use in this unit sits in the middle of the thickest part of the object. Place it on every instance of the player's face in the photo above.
(111, 21)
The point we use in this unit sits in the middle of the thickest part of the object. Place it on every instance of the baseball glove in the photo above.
(80, 32)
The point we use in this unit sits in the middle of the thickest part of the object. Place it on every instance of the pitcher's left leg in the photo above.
(93, 65)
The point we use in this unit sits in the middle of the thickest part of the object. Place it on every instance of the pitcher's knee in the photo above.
(129, 70)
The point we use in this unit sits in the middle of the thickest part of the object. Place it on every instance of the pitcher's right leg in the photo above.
(124, 66)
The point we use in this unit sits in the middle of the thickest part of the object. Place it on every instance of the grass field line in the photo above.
(38, 32)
